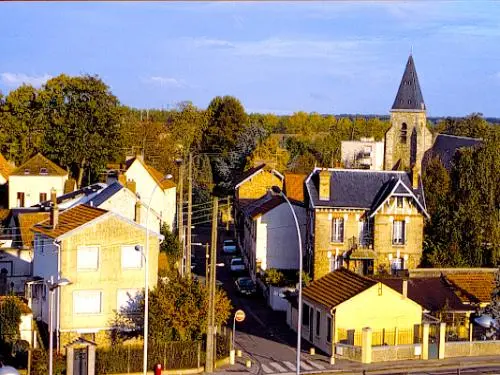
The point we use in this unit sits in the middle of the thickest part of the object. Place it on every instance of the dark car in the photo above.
(245, 286)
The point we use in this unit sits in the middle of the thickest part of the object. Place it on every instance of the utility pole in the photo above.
(210, 350)
(207, 257)
(190, 206)
(180, 218)
(228, 212)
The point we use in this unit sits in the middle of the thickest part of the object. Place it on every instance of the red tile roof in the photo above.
(69, 220)
(26, 222)
(34, 166)
(294, 186)
(337, 287)
(473, 287)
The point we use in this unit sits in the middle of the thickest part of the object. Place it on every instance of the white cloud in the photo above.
(216, 43)
(17, 79)
(167, 81)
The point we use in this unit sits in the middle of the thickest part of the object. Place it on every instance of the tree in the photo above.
(83, 127)
(10, 318)
(269, 151)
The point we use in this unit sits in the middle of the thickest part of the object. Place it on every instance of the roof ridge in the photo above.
(57, 168)
(459, 136)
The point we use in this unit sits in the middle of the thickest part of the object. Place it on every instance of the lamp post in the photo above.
(52, 286)
(145, 252)
(277, 190)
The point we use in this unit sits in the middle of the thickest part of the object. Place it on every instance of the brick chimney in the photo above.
(54, 210)
(131, 185)
(324, 185)
(137, 217)
(122, 179)
(414, 176)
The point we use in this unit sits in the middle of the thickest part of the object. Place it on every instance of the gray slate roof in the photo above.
(105, 194)
(445, 146)
(364, 189)
(409, 95)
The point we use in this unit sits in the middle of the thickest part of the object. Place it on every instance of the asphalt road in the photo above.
(468, 371)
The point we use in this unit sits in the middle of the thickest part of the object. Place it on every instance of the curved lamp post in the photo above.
(278, 191)
(145, 252)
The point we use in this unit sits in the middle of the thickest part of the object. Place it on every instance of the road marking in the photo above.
(317, 365)
(305, 366)
(277, 366)
(266, 369)
(290, 365)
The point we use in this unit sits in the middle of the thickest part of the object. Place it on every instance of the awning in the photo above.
(362, 254)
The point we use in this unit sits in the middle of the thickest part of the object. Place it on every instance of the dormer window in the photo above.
(404, 133)
(26, 171)
(44, 171)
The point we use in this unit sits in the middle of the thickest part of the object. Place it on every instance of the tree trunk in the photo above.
(81, 169)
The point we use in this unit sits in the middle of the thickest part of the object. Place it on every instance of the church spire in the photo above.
(409, 96)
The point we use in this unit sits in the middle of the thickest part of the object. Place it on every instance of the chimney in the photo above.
(324, 185)
(137, 217)
(131, 185)
(54, 210)
(405, 288)
(414, 176)
(122, 179)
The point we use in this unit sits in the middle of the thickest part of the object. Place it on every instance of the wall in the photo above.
(109, 233)
(350, 149)
(32, 186)
(18, 263)
(280, 249)
(26, 327)
(474, 348)
(275, 301)
(394, 353)
(257, 186)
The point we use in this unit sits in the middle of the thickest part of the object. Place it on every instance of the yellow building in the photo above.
(368, 221)
(255, 182)
(100, 252)
(337, 306)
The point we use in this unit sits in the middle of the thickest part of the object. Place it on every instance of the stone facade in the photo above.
(406, 150)
(258, 185)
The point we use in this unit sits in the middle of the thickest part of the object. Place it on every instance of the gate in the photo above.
(433, 341)
(80, 364)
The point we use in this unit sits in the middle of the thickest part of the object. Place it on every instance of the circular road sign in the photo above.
(239, 316)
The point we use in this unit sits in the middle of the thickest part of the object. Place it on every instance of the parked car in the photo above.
(246, 286)
(229, 247)
(237, 265)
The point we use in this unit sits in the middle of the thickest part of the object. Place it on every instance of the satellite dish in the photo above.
(485, 321)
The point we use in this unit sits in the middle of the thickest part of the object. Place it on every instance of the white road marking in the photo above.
(266, 369)
(290, 365)
(317, 365)
(305, 366)
(278, 367)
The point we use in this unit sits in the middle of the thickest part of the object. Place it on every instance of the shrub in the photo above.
(40, 363)
(274, 277)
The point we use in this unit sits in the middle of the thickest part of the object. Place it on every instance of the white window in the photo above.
(398, 232)
(126, 300)
(87, 258)
(87, 302)
(131, 258)
(335, 262)
(337, 229)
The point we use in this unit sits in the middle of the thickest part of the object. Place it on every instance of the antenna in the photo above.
(411, 50)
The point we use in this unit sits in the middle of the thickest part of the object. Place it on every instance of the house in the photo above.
(339, 305)
(363, 154)
(446, 146)
(368, 221)
(255, 182)
(97, 251)
(270, 237)
(146, 178)
(32, 182)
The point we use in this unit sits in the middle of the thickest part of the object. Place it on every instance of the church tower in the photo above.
(409, 137)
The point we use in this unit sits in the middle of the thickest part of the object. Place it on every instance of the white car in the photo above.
(229, 247)
(237, 265)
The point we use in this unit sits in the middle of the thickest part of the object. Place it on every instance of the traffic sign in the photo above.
(239, 316)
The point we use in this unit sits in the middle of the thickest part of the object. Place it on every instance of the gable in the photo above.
(39, 165)
(137, 170)
(257, 185)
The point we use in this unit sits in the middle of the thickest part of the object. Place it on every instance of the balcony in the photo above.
(361, 249)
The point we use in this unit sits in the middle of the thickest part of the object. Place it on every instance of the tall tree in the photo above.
(83, 126)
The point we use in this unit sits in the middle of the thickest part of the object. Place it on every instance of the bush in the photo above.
(274, 277)
(40, 363)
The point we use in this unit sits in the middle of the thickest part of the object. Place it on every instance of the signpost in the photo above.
(239, 316)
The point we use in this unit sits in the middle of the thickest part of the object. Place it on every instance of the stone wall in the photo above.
(350, 352)
(257, 186)
(395, 353)
(471, 349)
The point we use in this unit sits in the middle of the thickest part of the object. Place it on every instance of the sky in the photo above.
(332, 57)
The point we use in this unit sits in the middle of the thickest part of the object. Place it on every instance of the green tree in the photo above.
(10, 318)
(83, 127)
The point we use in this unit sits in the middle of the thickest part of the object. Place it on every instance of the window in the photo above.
(20, 199)
(337, 229)
(87, 302)
(126, 300)
(305, 315)
(404, 133)
(43, 171)
(398, 232)
(87, 258)
(26, 171)
(329, 329)
(43, 197)
(131, 258)
(396, 264)
(318, 322)
(399, 202)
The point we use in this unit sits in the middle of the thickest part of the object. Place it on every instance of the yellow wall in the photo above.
(110, 234)
(257, 186)
(378, 307)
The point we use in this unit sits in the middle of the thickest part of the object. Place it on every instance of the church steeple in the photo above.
(409, 96)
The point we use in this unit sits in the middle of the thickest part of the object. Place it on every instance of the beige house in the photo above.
(368, 221)
(363, 154)
(96, 250)
(33, 181)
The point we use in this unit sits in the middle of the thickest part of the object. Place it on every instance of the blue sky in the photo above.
(281, 57)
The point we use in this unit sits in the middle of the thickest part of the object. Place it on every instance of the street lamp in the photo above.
(145, 252)
(52, 286)
(278, 191)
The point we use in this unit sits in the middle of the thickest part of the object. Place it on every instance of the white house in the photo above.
(363, 154)
(146, 178)
(33, 181)
(270, 235)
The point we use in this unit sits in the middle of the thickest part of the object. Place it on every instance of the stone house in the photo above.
(96, 250)
(368, 221)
